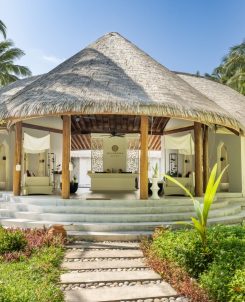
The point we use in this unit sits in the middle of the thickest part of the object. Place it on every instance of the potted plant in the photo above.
(73, 185)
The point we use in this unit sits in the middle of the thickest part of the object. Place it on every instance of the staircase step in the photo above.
(109, 277)
(109, 236)
(135, 263)
(103, 245)
(90, 218)
(120, 293)
(104, 254)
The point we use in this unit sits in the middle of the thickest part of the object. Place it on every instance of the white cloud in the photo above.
(52, 59)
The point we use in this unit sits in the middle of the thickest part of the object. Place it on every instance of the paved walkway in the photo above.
(112, 271)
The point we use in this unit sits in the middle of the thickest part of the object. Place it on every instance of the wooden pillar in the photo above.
(66, 157)
(17, 159)
(205, 158)
(198, 159)
(144, 128)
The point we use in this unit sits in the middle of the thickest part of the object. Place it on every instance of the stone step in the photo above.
(67, 209)
(56, 201)
(135, 263)
(6, 213)
(106, 294)
(92, 277)
(109, 236)
(104, 254)
(102, 245)
(122, 217)
(228, 195)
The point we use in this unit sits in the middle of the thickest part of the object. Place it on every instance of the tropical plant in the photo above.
(155, 171)
(202, 209)
(231, 71)
(9, 71)
(3, 29)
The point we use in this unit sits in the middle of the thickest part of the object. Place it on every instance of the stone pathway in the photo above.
(112, 271)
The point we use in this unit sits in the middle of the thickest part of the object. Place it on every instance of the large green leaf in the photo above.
(180, 185)
(198, 209)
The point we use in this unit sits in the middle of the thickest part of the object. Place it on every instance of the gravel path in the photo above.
(112, 271)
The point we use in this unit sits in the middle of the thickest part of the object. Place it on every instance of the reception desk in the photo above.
(113, 181)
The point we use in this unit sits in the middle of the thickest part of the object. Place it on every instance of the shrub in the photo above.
(34, 279)
(237, 287)
(214, 267)
(184, 248)
(175, 275)
(11, 241)
(16, 244)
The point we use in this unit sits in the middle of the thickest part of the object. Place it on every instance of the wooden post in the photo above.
(144, 127)
(66, 157)
(198, 159)
(17, 159)
(205, 158)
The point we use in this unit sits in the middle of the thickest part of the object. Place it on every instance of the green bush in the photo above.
(237, 287)
(214, 266)
(11, 241)
(32, 280)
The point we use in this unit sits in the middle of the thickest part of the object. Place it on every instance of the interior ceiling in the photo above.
(83, 126)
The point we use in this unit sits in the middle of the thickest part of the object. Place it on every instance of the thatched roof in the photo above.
(113, 76)
(10, 90)
(222, 95)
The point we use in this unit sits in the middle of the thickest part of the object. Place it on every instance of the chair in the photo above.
(170, 188)
(37, 185)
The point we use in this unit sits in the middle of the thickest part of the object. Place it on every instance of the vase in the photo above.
(154, 188)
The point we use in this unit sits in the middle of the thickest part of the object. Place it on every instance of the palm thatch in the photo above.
(113, 76)
(222, 95)
(10, 90)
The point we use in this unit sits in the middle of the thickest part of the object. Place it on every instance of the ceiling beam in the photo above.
(42, 128)
(233, 131)
(182, 129)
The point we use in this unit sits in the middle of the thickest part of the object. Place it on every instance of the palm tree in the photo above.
(3, 29)
(231, 71)
(9, 71)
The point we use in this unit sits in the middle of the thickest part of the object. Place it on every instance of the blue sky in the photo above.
(183, 35)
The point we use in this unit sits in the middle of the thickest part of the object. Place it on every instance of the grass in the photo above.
(29, 266)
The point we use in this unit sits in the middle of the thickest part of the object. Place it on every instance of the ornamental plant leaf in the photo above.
(202, 209)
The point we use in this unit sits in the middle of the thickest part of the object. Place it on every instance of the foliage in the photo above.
(11, 241)
(9, 71)
(29, 266)
(17, 244)
(202, 210)
(3, 29)
(155, 170)
(231, 71)
(219, 269)
(237, 287)
(172, 273)
(34, 279)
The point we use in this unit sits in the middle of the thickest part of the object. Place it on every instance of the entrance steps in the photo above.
(111, 271)
(113, 219)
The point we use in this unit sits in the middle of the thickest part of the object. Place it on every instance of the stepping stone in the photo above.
(109, 276)
(105, 254)
(120, 293)
(104, 245)
(135, 263)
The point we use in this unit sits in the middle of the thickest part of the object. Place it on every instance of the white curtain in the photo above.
(36, 145)
(184, 144)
